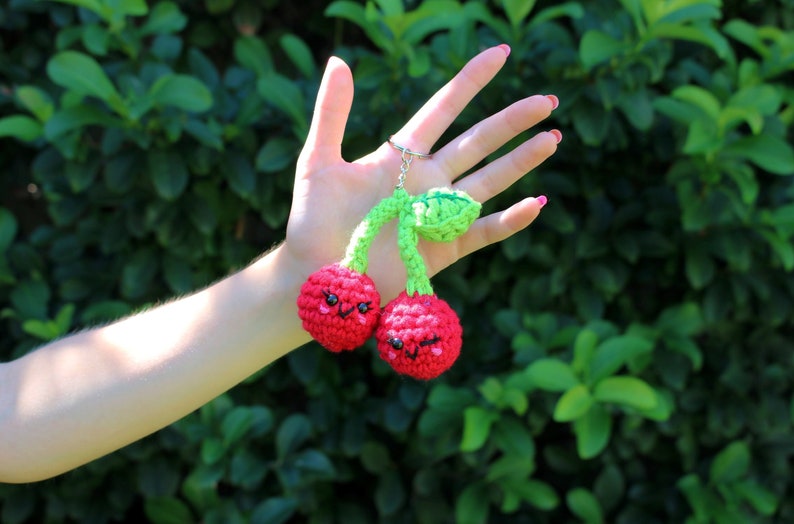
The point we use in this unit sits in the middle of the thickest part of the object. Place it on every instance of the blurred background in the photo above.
(626, 359)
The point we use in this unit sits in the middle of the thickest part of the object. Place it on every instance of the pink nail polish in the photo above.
(555, 102)
(557, 135)
(505, 48)
(542, 200)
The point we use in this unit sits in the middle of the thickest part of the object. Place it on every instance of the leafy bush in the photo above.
(626, 359)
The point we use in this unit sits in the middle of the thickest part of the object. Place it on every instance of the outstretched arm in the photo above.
(91, 393)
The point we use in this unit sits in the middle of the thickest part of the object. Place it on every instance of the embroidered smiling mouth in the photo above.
(396, 343)
(344, 313)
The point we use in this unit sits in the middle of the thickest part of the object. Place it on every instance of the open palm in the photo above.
(331, 196)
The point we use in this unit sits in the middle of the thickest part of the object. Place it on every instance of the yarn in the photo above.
(339, 307)
(417, 333)
(442, 214)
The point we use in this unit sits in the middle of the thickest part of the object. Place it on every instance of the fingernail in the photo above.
(554, 101)
(557, 135)
(505, 48)
(542, 200)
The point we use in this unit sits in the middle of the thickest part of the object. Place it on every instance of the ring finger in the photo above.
(487, 136)
(500, 174)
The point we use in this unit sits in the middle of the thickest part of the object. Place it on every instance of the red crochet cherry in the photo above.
(419, 335)
(339, 307)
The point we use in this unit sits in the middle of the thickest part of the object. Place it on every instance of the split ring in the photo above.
(405, 151)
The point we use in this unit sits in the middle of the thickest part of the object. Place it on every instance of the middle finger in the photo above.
(487, 136)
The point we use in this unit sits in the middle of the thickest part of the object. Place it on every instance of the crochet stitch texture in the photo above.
(417, 333)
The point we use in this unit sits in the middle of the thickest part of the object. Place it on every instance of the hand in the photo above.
(331, 196)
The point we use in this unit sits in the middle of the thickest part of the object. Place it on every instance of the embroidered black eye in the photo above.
(363, 307)
(330, 298)
(396, 343)
(430, 341)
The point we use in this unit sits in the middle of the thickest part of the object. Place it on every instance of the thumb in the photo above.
(331, 110)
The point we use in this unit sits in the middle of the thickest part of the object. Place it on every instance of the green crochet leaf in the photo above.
(442, 214)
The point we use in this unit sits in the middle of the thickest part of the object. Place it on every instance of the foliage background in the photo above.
(627, 359)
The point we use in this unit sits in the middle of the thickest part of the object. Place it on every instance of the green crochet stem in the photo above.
(440, 215)
(407, 242)
(361, 240)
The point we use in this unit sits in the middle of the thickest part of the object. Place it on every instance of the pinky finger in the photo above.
(499, 226)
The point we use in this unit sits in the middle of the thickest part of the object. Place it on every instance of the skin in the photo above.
(86, 395)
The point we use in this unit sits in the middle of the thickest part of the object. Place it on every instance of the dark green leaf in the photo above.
(552, 375)
(615, 352)
(292, 434)
(375, 457)
(104, 311)
(471, 506)
(746, 33)
(299, 53)
(167, 510)
(165, 17)
(316, 463)
(513, 437)
(43, 329)
(236, 424)
(389, 493)
(627, 391)
(573, 404)
(137, 274)
(212, 451)
(81, 74)
(638, 109)
(276, 154)
(730, 464)
(181, 91)
(584, 505)
(592, 431)
(209, 135)
(304, 364)
(81, 175)
(120, 171)
(247, 469)
(517, 10)
(30, 298)
(701, 98)
(239, 172)
(699, 267)
(583, 350)
(276, 510)
(253, 54)
(591, 123)
(596, 46)
(766, 151)
(283, 94)
(76, 117)
(685, 319)
(35, 100)
(168, 172)
(763, 500)
(8, 228)
(536, 492)
(476, 427)
(167, 48)
(96, 39)
(21, 127)
(610, 486)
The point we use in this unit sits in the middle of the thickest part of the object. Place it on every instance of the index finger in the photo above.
(438, 113)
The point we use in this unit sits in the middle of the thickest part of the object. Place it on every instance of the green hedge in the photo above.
(627, 359)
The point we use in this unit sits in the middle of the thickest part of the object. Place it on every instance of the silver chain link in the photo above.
(406, 165)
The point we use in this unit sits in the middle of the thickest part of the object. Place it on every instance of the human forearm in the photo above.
(91, 393)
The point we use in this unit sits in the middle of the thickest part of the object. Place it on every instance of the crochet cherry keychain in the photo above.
(417, 333)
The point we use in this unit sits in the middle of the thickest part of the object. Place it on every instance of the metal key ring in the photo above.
(405, 151)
